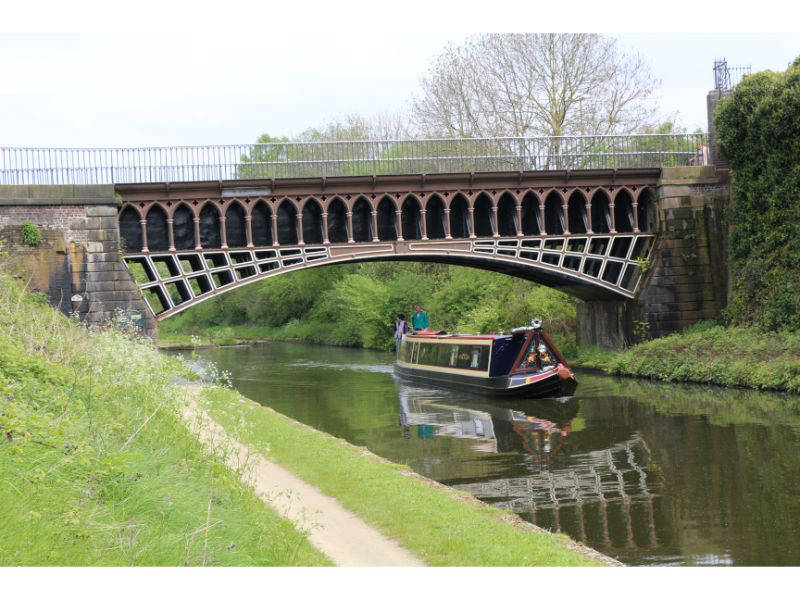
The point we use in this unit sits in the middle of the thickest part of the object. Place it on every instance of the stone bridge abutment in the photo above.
(686, 277)
(77, 263)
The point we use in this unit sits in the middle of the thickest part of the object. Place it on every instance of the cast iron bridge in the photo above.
(578, 214)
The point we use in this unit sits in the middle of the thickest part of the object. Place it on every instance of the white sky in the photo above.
(228, 84)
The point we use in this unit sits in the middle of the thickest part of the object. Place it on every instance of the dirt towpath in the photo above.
(339, 534)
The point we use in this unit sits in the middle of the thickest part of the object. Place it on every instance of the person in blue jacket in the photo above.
(420, 320)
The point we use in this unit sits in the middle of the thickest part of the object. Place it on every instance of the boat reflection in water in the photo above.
(549, 470)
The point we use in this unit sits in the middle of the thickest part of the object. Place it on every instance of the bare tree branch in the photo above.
(535, 84)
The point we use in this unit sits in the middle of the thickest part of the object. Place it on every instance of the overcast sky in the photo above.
(176, 89)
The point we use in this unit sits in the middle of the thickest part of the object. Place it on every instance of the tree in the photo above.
(759, 136)
(354, 127)
(522, 85)
(264, 160)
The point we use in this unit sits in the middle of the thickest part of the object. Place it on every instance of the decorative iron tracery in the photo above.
(195, 248)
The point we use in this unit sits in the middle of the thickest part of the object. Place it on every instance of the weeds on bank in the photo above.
(708, 353)
(96, 466)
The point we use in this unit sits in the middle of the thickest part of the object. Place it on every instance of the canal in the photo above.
(649, 473)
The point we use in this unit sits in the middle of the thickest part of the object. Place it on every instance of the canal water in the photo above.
(649, 473)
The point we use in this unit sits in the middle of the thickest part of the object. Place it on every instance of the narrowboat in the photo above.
(523, 363)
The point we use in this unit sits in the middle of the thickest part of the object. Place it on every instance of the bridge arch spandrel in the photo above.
(236, 233)
(183, 229)
(261, 223)
(411, 217)
(387, 219)
(531, 207)
(435, 218)
(507, 224)
(210, 225)
(601, 218)
(623, 210)
(578, 217)
(130, 228)
(600, 276)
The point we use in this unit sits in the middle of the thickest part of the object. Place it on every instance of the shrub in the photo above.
(31, 234)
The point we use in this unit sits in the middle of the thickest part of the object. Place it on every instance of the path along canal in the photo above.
(649, 473)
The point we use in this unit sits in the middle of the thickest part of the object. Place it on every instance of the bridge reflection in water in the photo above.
(601, 496)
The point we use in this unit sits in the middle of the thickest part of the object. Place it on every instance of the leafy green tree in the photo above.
(759, 136)
(267, 160)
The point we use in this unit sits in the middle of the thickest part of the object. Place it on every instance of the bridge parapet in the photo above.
(51, 166)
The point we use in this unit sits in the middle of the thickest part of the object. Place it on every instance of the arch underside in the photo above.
(590, 267)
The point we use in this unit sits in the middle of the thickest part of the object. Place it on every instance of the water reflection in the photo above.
(648, 473)
(599, 495)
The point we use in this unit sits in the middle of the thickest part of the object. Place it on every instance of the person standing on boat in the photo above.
(400, 329)
(420, 320)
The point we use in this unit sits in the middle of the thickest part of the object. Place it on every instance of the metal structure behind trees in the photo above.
(728, 77)
(76, 166)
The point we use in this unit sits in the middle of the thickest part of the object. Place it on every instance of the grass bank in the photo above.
(440, 525)
(732, 356)
(96, 466)
(226, 335)
(708, 353)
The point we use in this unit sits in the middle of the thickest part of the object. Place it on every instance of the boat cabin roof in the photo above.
(443, 335)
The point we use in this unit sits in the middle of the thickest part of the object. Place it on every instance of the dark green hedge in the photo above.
(759, 136)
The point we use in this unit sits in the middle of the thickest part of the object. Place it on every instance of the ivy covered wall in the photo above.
(759, 136)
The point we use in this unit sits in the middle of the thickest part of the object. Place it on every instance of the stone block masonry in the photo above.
(687, 278)
(77, 265)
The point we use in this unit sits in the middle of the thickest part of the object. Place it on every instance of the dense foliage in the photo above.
(355, 305)
(759, 135)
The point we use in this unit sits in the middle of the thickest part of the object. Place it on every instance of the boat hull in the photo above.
(546, 385)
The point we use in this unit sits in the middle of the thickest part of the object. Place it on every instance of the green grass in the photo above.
(592, 357)
(96, 465)
(434, 523)
(217, 336)
(732, 356)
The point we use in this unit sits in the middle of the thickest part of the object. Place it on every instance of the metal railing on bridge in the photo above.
(54, 166)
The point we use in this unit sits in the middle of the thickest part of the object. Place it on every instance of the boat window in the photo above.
(457, 356)
(473, 357)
